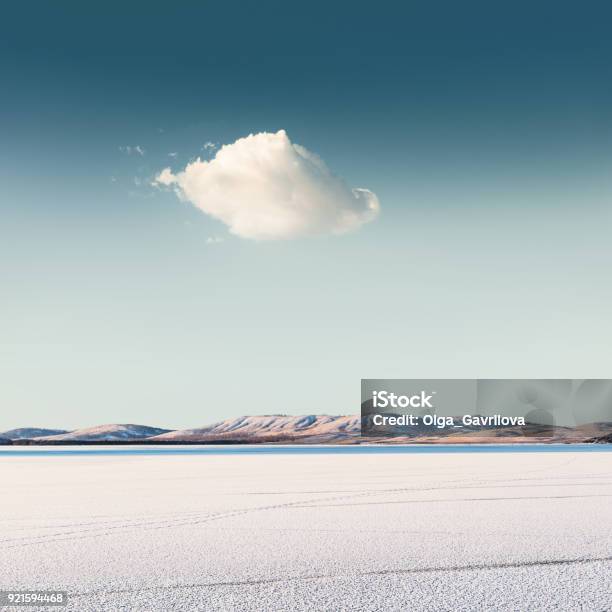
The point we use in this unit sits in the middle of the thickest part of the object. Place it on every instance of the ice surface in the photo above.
(302, 532)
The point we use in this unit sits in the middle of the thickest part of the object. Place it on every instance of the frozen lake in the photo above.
(310, 530)
(298, 449)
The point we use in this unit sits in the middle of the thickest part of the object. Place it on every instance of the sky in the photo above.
(253, 278)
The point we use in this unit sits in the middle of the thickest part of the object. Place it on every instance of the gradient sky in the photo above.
(485, 129)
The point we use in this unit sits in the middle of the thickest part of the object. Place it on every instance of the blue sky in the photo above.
(484, 131)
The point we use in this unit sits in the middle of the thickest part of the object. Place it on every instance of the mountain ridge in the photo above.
(112, 431)
(23, 433)
(302, 429)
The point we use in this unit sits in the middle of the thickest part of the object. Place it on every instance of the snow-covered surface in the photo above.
(301, 532)
(108, 432)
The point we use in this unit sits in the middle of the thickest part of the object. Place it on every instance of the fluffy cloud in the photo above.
(264, 187)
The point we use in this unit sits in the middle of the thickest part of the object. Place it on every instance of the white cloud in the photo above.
(130, 149)
(214, 240)
(264, 187)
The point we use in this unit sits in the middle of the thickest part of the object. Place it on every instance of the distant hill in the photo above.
(110, 432)
(605, 439)
(24, 433)
(312, 429)
(270, 428)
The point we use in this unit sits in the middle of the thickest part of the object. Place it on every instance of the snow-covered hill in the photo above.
(313, 428)
(24, 433)
(106, 432)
